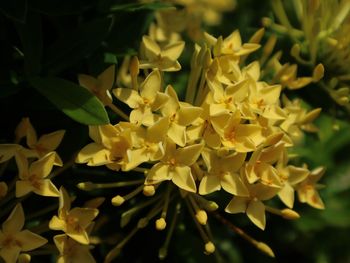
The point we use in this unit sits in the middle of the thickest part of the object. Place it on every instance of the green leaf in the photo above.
(15, 9)
(140, 6)
(76, 44)
(75, 101)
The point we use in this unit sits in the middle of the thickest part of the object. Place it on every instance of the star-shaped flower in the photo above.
(222, 172)
(164, 59)
(101, 85)
(32, 178)
(175, 166)
(73, 221)
(13, 240)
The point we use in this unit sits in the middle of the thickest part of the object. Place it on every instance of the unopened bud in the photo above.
(318, 73)
(209, 247)
(134, 66)
(86, 186)
(266, 249)
(149, 190)
(143, 222)
(290, 214)
(202, 217)
(118, 200)
(160, 224)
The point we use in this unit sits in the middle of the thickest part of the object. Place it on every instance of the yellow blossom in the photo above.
(175, 166)
(253, 205)
(180, 116)
(33, 178)
(147, 143)
(164, 59)
(222, 172)
(13, 240)
(109, 147)
(148, 100)
(307, 189)
(101, 85)
(73, 221)
(71, 251)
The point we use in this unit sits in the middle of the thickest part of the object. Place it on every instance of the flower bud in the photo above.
(209, 247)
(118, 200)
(290, 214)
(160, 224)
(202, 217)
(149, 190)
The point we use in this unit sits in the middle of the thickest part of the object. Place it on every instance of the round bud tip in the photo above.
(202, 217)
(86, 186)
(143, 222)
(118, 200)
(290, 214)
(212, 206)
(149, 190)
(209, 247)
(160, 224)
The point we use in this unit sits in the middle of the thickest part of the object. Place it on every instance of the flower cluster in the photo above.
(231, 133)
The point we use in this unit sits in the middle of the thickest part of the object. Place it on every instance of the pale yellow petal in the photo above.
(46, 188)
(152, 50)
(188, 155)
(128, 96)
(88, 152)
(182, 177)
(286, 194)
(42, 167)
(50, 141)
(83, 215)
(177, 133)
(158, 130)
(151, 85)
(256, 213)
(10, 254)
(209, 184)
(15, 222)
(158, 173)
(23, 188)
(174, 50)
(107, 78)
(186, 115)
(56, 223)
(7, 151)
(22, 165)
(232, 184)
(237, 205)
(30, 240)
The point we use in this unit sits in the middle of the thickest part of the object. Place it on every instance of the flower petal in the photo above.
(42, 167)
(232, 184)
(256, 213)
(15, 222)
(209, 184)
(237, 205)
(30, 240)
(182, 177)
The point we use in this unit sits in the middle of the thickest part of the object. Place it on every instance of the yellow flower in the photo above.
(72, 251)
(164, 59)
(32, 178)
(231, 45)
(101, 85)
(175, 166)
(144, 102)
(73, 221)
(240, 137)
(307, 189)
(253, 205)
(39, 147)
(222, 172)
(180, 115)
(109, 147)
(290, 176)
(13, 240)
(147, 143)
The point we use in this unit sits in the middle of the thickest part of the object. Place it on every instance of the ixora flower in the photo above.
(14, 240)
(101, 85)
(33, 178)
(175, 166)
(72, 251)
(74, 222)
(37, 147)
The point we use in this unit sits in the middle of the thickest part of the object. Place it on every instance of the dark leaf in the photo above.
(75, 101)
